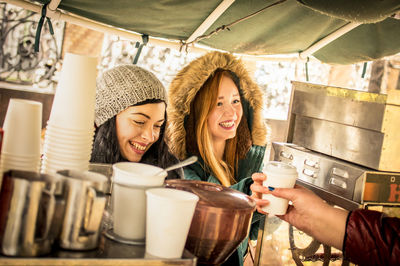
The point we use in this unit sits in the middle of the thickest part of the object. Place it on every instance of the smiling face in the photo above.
(138, 127)
(225, 116)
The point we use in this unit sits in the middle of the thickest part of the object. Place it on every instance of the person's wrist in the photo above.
(320, 218)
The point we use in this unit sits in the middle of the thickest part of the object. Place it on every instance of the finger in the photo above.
(259, 209)
(258, 177)
(286, 193)
(258, 190)
(260, 204)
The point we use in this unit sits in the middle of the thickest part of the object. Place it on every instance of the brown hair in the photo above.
(198, 139)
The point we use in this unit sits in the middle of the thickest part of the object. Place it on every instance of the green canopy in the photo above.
(285, 28)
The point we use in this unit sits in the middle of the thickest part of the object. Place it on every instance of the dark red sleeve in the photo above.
(372, 238)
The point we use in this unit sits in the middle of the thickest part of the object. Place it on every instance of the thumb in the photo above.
(285, 193)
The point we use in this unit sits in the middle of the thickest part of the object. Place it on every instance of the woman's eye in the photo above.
(158, 126)
(219, 103)
(138, 122)
(236, 101)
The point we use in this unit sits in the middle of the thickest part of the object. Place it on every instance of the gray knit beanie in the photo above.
(122, 87)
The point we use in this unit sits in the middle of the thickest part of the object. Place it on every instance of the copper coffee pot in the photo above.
(221, 220)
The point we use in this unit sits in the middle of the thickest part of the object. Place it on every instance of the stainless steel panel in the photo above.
(330, 103)
(337, 179)
(355, 126)
(357, 145)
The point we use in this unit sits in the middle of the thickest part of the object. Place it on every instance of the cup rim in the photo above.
(135, 178)
(170, 194)
(65, 152)
(51, 126)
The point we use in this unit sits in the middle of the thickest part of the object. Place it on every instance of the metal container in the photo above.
(85, 202)
(356, 126)
(221, 220)
(30, 213)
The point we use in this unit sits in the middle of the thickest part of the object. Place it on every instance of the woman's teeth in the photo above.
(137, 146)
(227, 124)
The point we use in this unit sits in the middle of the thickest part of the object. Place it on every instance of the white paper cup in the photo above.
(6, 165)
(169, 215)
(69, 131)
(130, 181)
(64, 164)
(62, 147)
(279, 175)
(22, 127)
(73, 105)
(67, 154)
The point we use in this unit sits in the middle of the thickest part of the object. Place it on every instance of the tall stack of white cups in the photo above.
(279, 175)
(69, 133)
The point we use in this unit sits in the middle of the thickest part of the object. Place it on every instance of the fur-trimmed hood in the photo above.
(188, 82)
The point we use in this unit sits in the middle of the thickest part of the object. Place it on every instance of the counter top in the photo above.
(109, 252)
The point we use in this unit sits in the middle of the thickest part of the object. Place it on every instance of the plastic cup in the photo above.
(73, 105)
(65, 128)
(20, 157)
(58, 139)
(169, 215)
(84, 147)
(130, 181)
(23, 165)
(22, 127)
(70, 132)
(67, 154)
(279, 175)
(64, 163)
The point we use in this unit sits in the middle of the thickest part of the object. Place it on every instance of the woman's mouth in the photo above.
(227, 124)
(138, 148)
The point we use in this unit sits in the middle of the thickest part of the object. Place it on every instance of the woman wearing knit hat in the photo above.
(216, 114)
(130, 118)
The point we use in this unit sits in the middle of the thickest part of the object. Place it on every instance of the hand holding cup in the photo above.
(279, 175)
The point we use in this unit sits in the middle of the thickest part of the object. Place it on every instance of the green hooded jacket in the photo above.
(182, 92)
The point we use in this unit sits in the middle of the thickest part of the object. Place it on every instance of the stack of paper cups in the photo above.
(22, 131)
(70, 129)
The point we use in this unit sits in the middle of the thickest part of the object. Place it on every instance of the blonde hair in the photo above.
(198, 132)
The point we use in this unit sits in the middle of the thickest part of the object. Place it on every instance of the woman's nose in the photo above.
(148, 133)
(230, 110)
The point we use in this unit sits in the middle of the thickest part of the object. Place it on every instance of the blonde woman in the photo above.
(215, 112)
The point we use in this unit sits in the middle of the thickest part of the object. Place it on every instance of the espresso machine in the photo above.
(346, 148)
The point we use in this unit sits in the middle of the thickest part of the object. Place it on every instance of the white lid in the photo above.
(280, 168)
(139, 174)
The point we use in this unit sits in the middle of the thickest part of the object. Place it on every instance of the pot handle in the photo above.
(50, 203)
(93, 211)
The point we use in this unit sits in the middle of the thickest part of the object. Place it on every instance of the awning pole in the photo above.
(328, 39)
(224, 5)
(52, 6)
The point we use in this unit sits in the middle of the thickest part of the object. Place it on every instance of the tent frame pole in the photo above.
(328, 39)
(205, 25)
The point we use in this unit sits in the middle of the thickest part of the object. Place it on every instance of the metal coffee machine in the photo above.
(30, 213)
(345, 146)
